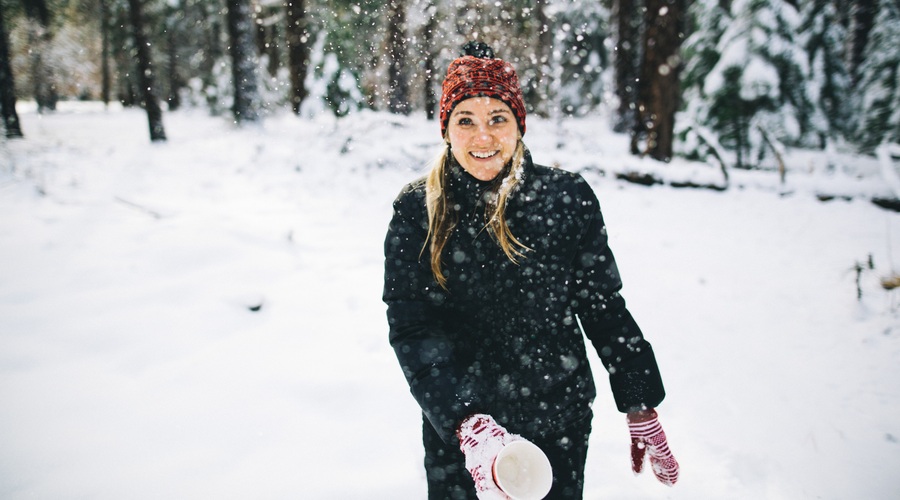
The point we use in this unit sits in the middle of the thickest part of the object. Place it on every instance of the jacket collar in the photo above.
(467, 191)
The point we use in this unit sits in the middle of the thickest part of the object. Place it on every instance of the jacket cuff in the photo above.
(638, 385)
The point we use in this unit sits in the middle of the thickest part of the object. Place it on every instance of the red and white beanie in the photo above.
(479, 74)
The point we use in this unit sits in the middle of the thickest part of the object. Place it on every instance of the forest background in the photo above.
(731, 82)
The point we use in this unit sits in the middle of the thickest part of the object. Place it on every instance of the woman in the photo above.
(494, 266)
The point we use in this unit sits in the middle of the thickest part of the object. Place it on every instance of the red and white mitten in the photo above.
(647, 437)
(481, 438)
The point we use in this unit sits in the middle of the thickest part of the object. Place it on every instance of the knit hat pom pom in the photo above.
(480, 50)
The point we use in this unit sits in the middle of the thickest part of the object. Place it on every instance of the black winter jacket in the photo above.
(504, 338)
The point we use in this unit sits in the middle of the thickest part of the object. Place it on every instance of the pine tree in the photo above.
(861, 14)
(877, 96)
(707, 20)
(756, 93)
(828, 79)
(583, 56)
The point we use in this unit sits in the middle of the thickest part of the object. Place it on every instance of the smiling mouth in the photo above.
(482, 155)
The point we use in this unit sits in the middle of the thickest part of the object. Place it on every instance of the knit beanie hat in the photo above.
(477, 73)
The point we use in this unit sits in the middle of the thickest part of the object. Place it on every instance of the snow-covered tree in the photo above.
(707, 21)
(877, 95)
(860, 19)
(755, 93)
(828, 80)
(582, 55)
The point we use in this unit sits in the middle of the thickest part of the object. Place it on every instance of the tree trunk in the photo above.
(211, 50)
(544, 54)
(243, 61)
(298, 41)
(104, 53)
(429, 63)
(398, 93)
(267, 38)
(146, 78)
(7, 85)
(173, 15)
(659, 84)
(626, 62)
(39, 38)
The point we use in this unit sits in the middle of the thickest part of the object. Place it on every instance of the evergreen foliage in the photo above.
(828, 80)
(877, 96)
(581, 41)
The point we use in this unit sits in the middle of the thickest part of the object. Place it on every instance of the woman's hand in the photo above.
(648, 438)
(481, 438)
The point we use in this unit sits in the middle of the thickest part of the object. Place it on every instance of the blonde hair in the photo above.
(441, 221)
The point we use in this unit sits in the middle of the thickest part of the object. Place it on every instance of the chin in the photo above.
(485, 174)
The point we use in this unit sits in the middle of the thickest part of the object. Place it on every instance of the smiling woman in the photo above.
(495, 269)
(483, 136)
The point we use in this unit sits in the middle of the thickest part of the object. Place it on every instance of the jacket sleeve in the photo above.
(633, 373)
(420, 339)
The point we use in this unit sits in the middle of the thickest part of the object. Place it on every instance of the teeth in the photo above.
(487, 154)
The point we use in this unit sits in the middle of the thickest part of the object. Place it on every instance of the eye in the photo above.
(464, 121)
(499, 119)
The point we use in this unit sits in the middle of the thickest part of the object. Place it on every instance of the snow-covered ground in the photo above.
(202, 318)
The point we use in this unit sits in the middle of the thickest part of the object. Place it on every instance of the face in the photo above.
(483, 135)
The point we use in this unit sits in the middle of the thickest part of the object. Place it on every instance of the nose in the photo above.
(483, 134)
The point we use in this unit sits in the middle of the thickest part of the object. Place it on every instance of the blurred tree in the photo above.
(398, 86)
(244, 61)
(123, 53)
(544, 92)
(627, 20)
(877, 94)
(428, 54)
(106, 77)
(145, 71)
(40, 37)
(828, 80)
(757, 86)
(658, 88)
(861, 18)
(174, 15)
(7, 84)
(269, 22)
(298, 45)
(707, 20)
(580, 41)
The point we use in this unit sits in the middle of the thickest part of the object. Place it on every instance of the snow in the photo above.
(132, 365)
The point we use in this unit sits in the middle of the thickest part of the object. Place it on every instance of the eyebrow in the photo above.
(494, 112)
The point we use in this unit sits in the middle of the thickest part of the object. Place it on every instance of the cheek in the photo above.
(509, 144)
(456, 138)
